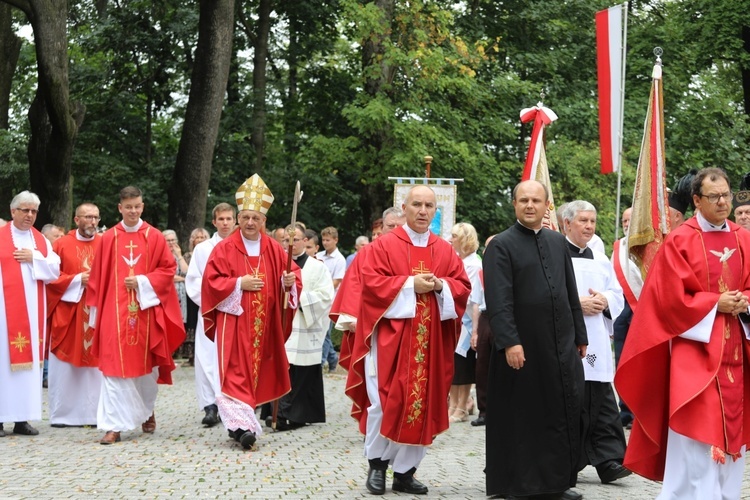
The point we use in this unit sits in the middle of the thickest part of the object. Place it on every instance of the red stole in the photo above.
(14, 291)
(620, 273)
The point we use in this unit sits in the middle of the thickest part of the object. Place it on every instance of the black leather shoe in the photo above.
(406, 483)
(212, 416)
(570, 495)
(236, 434)
(612, 472)
(247, 440)
(24, 429)
(376, 481)
(478, 422)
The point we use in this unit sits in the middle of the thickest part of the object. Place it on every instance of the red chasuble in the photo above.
(698, 389)
(415, 356)
(129, 341)
(253, 367)
(348, 301)
(71, 337)
(14, 291)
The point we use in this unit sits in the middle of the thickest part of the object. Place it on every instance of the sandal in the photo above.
(453, 419)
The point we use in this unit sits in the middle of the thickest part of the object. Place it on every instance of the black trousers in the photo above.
(603, 439)
(484, 351)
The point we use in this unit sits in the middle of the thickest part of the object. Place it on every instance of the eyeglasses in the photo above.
(27, 211)
(172, 241)
(89, 217)
(714, 198)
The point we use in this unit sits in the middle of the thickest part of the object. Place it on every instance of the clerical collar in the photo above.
(133, 229)
(417, 239)
(536, 231)
(81, 237)
(577, 252)
(252, 247)
(300, 259)
(707, 227)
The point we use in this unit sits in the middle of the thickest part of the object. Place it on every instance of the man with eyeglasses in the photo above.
(245, 292)
(27, 264)
(75, 379)
(136, 317)
(684, 369)
(305, 403)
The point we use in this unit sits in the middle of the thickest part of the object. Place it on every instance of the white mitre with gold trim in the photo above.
(254, 194)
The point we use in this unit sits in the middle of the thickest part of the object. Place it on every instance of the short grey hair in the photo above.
(397, 212)
(362, 240)
(169, 232)
(25, 197)
(571, 210)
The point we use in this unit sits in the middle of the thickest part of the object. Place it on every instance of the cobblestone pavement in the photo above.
(184, 460)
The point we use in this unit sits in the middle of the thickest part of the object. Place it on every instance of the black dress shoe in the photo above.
(612, 472)
(212, 416)
(479, 421)
(247, 440)
(236, 434)
(376, 481)
(570, 495)
(24, 429)
(406, 483)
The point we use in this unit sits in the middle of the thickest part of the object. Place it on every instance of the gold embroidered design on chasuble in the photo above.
(132, 330)
(418, 372)
(258, 310)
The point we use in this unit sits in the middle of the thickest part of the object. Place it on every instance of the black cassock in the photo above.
(533, 414)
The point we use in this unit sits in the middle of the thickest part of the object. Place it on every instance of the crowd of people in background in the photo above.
(530, 323)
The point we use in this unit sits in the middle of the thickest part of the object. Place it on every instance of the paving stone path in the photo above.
(184, 460)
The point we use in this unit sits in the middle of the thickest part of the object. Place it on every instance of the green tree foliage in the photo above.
(357, 91)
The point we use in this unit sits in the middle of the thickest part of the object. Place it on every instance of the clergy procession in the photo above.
(586, 362)
(546, 364)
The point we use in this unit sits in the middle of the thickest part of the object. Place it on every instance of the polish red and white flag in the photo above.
(609, 69)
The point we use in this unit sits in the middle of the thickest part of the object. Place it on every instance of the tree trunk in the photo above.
(374, 199)
(54, 119)
(189, 188)
(10, 48)
(260, 61)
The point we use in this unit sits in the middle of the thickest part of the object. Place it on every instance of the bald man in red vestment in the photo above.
(414, 290)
